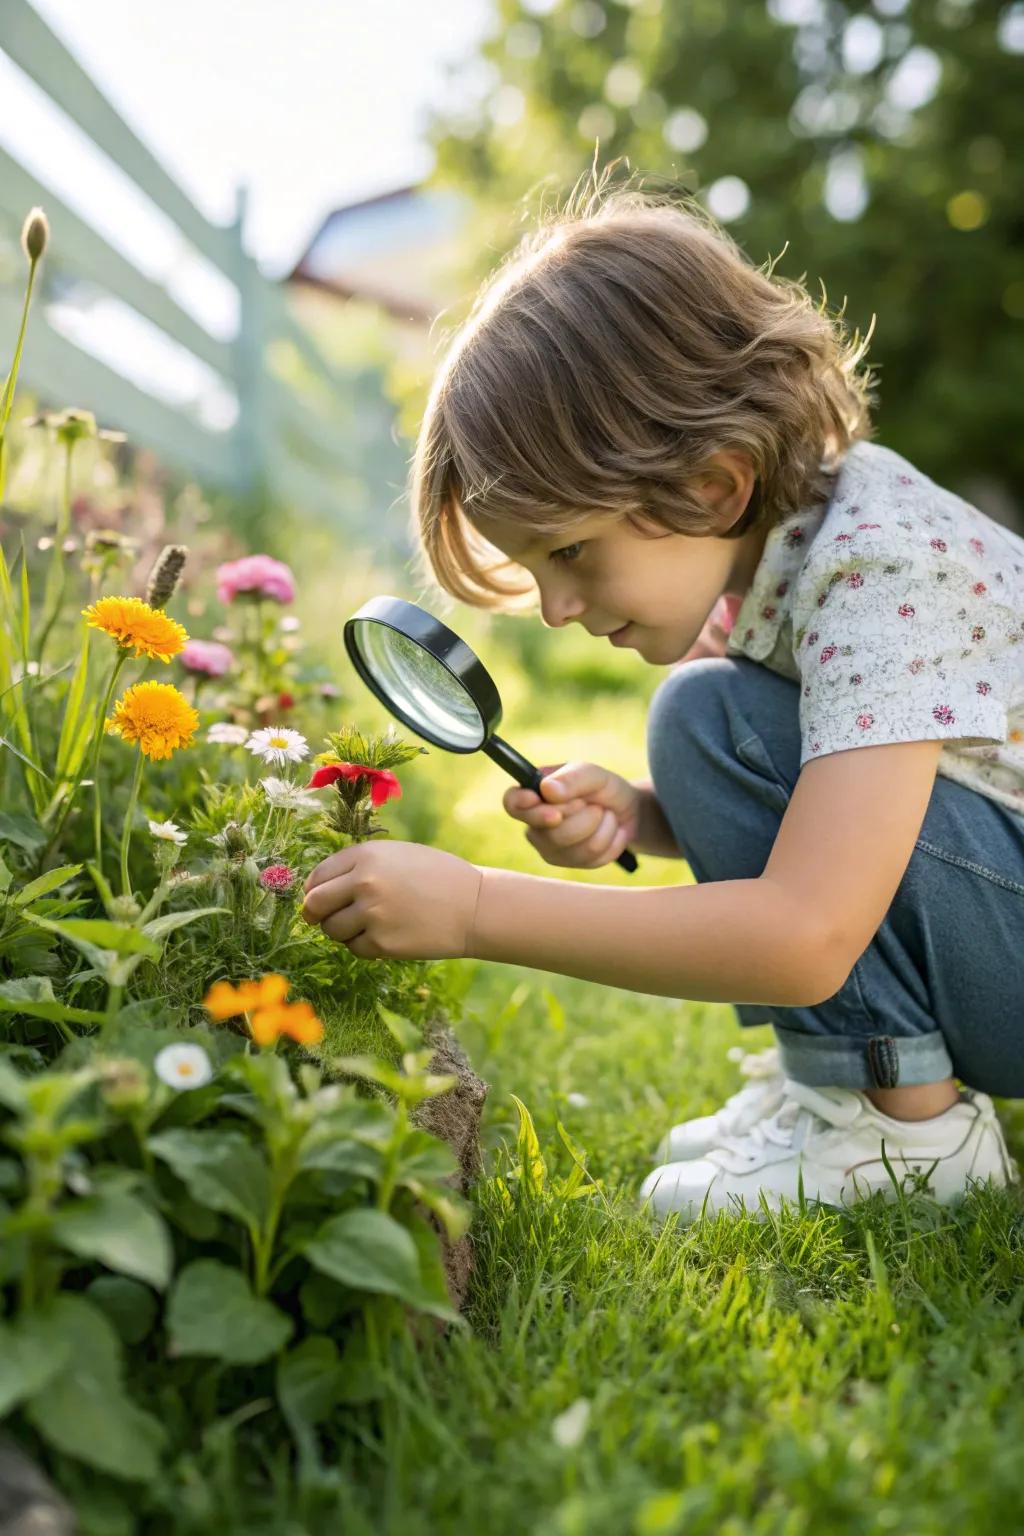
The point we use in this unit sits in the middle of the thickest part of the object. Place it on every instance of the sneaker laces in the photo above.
(760, 1066)
(803, 1110)
(756, 1064)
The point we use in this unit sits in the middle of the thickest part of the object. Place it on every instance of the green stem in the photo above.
(126, 831)
(114, 994)
(7, 398)
(55, 579)
(97, 742)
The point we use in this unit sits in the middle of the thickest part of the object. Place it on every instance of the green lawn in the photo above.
(825, 1372)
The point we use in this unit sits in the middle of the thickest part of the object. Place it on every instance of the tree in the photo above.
(879, 141)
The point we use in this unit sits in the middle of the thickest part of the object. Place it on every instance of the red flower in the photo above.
(383, 784)
(286, 701)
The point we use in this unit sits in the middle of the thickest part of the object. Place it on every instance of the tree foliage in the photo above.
(871, 148)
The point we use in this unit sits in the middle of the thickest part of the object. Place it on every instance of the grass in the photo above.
(821, 1371)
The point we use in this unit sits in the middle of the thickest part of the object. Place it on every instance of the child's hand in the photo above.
(584, 817)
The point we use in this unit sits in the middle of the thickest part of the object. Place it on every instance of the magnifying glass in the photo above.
(423, 673)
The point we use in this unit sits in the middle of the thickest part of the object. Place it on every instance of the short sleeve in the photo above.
(895, 642)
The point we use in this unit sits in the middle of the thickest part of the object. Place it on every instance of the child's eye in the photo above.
(565, 555)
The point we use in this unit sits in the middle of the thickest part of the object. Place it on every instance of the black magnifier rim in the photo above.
(440, 642)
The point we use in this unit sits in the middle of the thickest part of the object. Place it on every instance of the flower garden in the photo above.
(218, 1196)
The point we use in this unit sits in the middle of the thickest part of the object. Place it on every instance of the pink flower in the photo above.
(207, 657)
(259, 575)
(865, 721)
(944, 715)
(277, 877)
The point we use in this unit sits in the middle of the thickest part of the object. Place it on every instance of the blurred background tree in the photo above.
(880, 141)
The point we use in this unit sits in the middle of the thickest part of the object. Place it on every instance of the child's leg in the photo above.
(937, 991)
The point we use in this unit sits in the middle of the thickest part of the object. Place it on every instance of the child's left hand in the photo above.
(395, 901)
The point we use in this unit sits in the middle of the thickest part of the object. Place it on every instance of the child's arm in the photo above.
(788, 938)
(728, 941)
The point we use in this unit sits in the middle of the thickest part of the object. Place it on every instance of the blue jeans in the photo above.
(939, 991)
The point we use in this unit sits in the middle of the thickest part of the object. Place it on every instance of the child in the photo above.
(644, 430)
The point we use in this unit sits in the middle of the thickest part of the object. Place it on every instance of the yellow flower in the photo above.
(155, 715)
(133, 623)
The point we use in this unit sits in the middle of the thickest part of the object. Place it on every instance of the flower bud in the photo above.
(236, 839)
(123, 1083)
(124, 909)
(166, 574)
(34, 234)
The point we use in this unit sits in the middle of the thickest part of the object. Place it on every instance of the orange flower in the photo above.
(135, 625)
(225, 1001)
(295, 1019)
(263, 1003)
(155, 715)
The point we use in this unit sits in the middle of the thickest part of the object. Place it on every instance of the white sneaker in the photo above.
(762, 1096)
(835, 1137)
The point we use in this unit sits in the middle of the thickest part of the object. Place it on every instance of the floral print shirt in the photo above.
(899, 609)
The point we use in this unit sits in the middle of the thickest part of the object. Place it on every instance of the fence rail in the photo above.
(288, 441)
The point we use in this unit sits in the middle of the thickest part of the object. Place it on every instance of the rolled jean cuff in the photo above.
(870, 1061)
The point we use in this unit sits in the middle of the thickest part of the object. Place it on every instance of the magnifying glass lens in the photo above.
(420, 685)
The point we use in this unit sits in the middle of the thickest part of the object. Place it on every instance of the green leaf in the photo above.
(423, 1156)
(308, 1387)
(5, 877)
(212, 1311)
(45, 883)
(100, 933)
(32, 1351)
(343, 1156)
(33, 995)
(121, 1231)
(84, 1411)
(29, 763)
(370, 1251)
(406, 1033)
(69, 751)
(433, 1283)
(12, 1087)
(21, 830)
(531, 1162)
(220, 1169)
(130, 1306)
(161, 926)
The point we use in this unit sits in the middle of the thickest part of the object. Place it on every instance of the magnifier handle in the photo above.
(524, 773)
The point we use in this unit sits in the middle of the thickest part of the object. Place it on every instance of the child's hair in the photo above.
(615, 349)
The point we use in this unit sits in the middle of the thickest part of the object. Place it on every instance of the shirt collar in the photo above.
(768, 601)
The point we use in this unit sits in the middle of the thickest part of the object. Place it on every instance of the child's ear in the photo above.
(726, 482)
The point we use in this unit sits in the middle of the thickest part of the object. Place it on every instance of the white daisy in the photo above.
(183, 1066)
(278, 744)
(168, 831)
(224, 734)
(290, 797)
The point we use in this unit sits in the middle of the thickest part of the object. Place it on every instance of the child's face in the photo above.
(663, 585)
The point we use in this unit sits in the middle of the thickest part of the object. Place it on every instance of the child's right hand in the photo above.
(584, 817)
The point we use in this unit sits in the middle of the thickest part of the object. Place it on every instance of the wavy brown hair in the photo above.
(625, 340)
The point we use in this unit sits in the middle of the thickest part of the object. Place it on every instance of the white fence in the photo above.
(300, 444)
